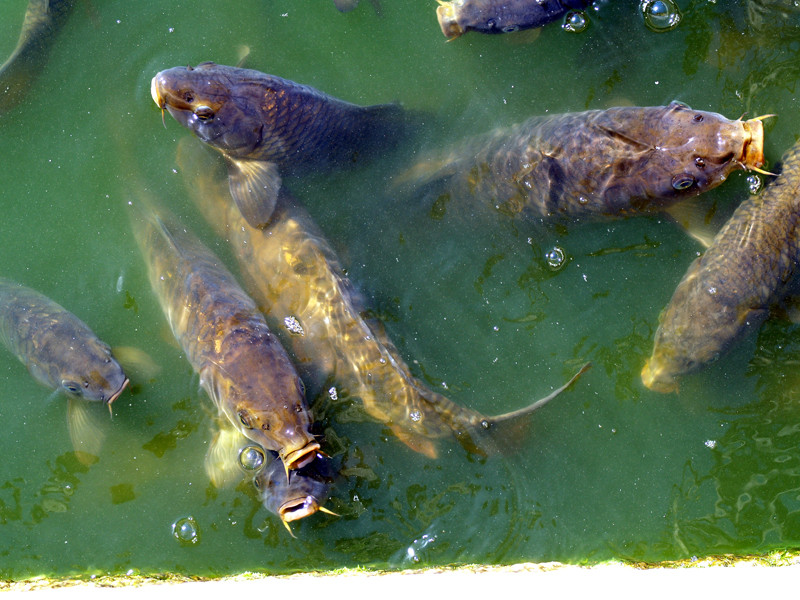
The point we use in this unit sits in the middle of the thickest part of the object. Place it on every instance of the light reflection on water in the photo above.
(608, 470)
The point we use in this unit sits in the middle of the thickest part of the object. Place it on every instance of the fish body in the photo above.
(295, 276)
(500, 16)
(43, 19)
(58, 348)
(232, 457)
(728, 292)
(266, 127)
(598, 163)
(242, 365)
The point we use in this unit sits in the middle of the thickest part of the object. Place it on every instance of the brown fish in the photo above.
(266, 126)
(600, 163)
(727, 293)
(242, 365)
(293, 273)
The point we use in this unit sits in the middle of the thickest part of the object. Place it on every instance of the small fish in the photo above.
(600, 163)
(266, 127)
(43, 20)
(500, 16)
(233, 457)
(242, 365)
(61, 352)
(728, 292)
(293, 273)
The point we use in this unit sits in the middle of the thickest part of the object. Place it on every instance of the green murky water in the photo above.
(610, 470)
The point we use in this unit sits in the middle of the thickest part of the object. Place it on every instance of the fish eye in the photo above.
(73, 387)
(204, 113)
(682, 182)
(697, 118)
(510, 28)
(188, 97)
(257, 483)
(699, 162)
(302, 387)
(244, 418)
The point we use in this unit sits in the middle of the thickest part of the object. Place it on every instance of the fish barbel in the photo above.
(294, 274)
(500, 16)
(233, 457)
(242, 365)
(43, 19)
(599, 163)
(266, 126)
(727, 293)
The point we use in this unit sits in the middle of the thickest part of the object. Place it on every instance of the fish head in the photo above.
(297, 496)
(216, 102)
(676, 152)
(93, 373)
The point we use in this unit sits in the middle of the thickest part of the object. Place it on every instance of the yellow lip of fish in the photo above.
(300, 458)
(650, 378)
(119, 391)
(753, 148)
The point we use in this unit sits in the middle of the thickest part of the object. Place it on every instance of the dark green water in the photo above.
(611, 470)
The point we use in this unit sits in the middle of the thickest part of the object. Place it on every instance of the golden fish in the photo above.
(242, 365)
(294, 274)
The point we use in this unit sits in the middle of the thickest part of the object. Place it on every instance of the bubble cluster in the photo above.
(660, 15)
(575, 22)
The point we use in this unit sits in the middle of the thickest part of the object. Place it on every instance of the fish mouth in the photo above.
(753, 149)
(297, 459)
(156, 93)
(118, 392)
(653, 380)
(298, 508)
(446, 15)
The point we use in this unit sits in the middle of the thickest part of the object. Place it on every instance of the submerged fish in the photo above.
(61, 352)
(608, 163)
(242, 365)
(43, 19)
(728, 292)
(233, 457)
(266, 126)
(500, 16)
(293, 273)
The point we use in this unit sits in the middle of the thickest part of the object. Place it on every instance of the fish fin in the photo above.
(415, 442)
(699, 218)
(221, 465)
(85, 431)
(254, 185)
(243, 52)
(136, 361)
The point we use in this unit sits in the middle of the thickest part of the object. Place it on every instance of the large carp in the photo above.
(233, 457)
(500, 16)
(43, 19)
(242, 365)
(728, 292)
(266, 126)
(608, 163)
(291, 270)
(61, 352)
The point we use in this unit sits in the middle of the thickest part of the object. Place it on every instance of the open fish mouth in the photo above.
(445, 12)
(297, 459)
(753, 149)
(653, 379)
(118, 392)
(298, 508)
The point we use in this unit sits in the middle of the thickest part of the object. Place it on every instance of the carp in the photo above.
(294, 274)
(500, 16)
(242, 365)
(61, 352)
(43, 20)
(728, 292)
(599, 163)
(266, 127)
(233, 457)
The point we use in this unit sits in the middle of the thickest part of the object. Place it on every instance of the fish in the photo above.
(608, 163)
(61, 352)
(496, 16)
(267, 127)
(293, 273)
(242, 365)
(43, 20)
(728, 292)
(232, 457)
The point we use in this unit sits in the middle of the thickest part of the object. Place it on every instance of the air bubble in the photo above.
(415, 416)
(252, 457)
(555, 258)
(185, 531)
(754, 183)
(660, 15)
(575, 22)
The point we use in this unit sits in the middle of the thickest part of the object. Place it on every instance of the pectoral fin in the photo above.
(85, 430)
(221, 465)
(254, 186)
